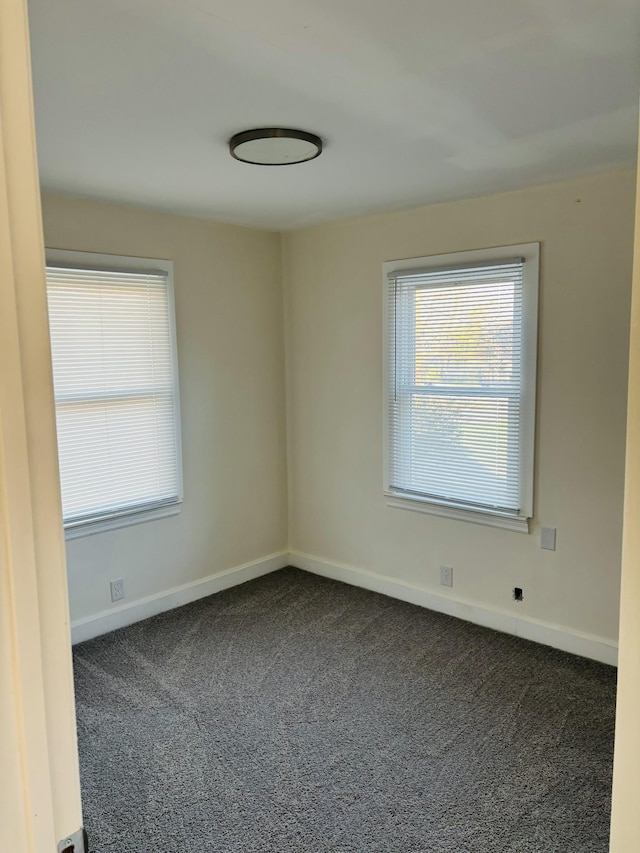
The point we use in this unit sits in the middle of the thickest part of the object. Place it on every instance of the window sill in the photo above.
(87, 528)
(517, 523)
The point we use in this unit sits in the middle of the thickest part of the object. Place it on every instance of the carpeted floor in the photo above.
(298, 715)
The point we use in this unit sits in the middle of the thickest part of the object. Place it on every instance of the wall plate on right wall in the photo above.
(548, 538)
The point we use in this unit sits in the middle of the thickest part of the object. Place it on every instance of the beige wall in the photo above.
(230, 350)
(230, 355)
(333, 295)
(625, 818)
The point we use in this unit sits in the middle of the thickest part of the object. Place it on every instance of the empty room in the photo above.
(320, 458)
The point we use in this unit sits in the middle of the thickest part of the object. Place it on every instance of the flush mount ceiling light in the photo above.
(275, 146)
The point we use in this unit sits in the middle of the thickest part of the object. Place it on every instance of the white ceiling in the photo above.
(418, 101)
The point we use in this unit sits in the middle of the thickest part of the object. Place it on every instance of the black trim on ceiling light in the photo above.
(259, 133)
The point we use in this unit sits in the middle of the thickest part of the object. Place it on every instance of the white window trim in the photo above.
(91, 260)
(531, 270)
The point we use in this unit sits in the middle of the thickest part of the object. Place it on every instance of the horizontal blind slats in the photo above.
(455, 377)
(113, 373)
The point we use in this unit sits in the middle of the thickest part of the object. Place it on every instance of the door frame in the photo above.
(40, 802)
(625, 814)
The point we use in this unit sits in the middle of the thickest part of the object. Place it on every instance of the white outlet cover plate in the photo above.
(117, 589)
(548, 538)
(446, 575)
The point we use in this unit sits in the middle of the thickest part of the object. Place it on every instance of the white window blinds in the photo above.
(115, 383)
(455, 396)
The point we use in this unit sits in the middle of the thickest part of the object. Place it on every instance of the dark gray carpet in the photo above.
(298, 714)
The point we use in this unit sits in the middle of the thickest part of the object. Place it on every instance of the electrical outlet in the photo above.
(117, 589)
(446, 575)
(517, 593)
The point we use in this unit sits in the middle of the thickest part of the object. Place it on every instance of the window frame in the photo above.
(519, 522)
(123, 263)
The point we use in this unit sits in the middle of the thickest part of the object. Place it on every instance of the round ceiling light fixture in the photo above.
(275, 146)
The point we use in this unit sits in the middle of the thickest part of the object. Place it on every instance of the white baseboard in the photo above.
(134, 611)
(557, 636)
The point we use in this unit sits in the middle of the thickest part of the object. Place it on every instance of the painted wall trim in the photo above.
(557, 636)
(135, 611)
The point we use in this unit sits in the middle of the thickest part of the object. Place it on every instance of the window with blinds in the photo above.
(116, 392)
(461, 334)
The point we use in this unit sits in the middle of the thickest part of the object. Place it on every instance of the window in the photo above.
(116, 389)
(460, 384)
